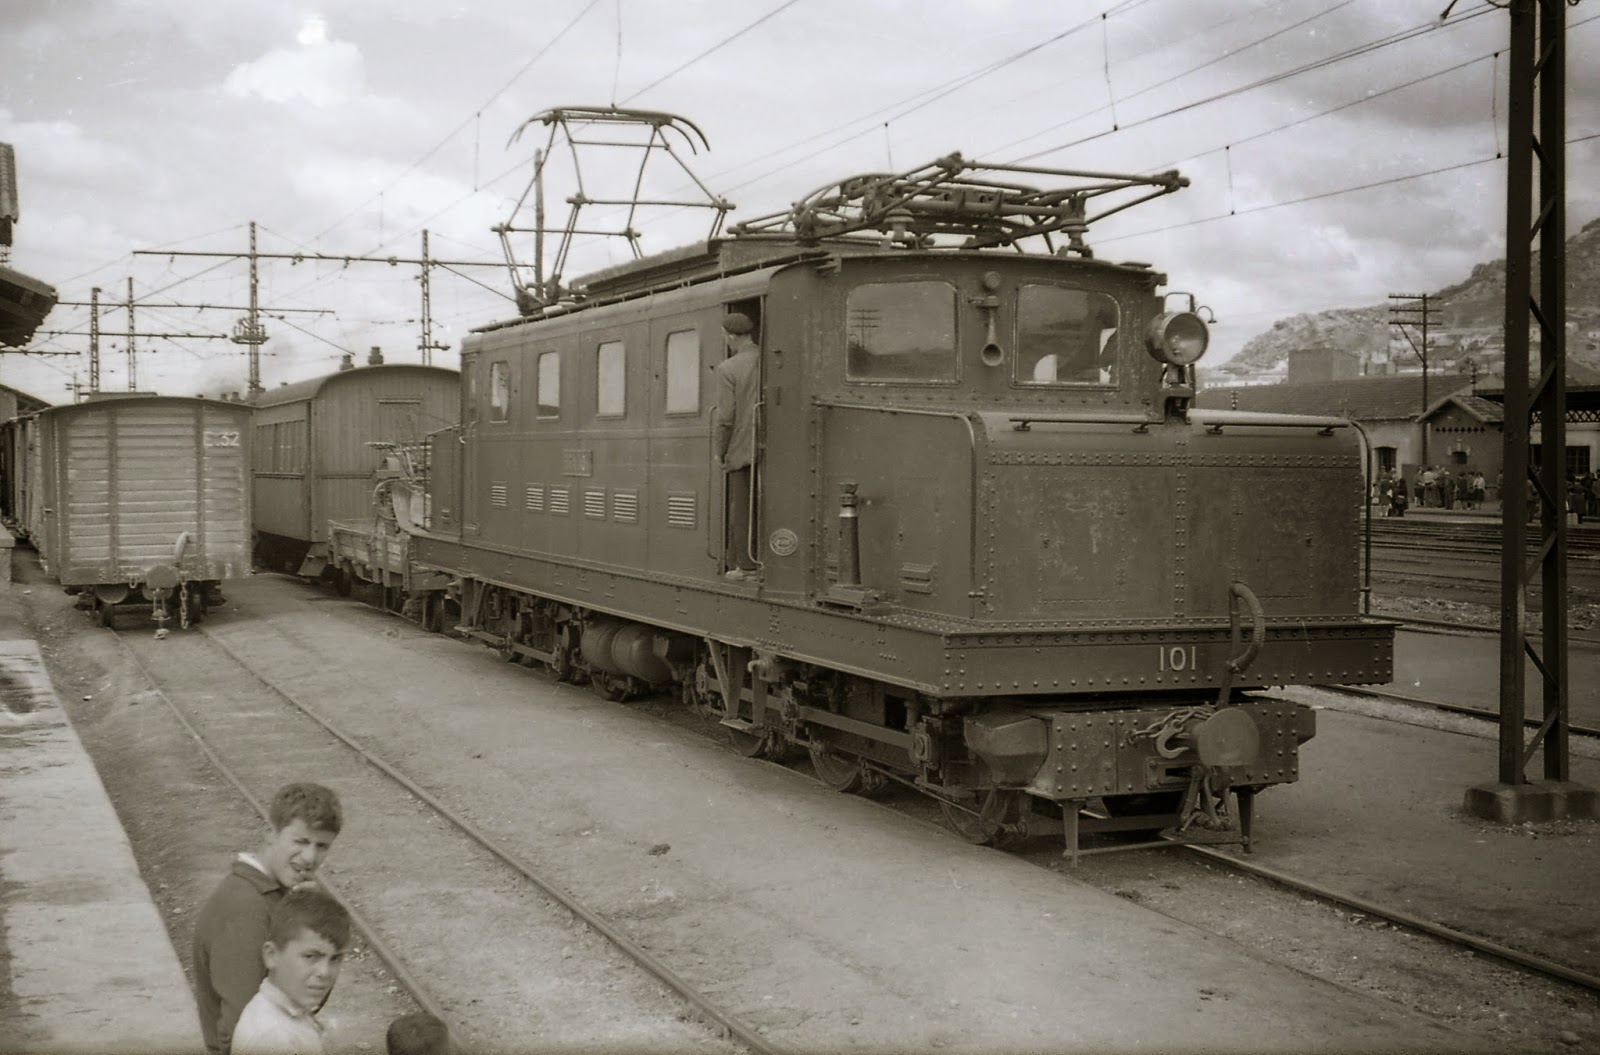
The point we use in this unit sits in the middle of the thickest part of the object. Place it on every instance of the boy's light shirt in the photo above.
(272, 1024)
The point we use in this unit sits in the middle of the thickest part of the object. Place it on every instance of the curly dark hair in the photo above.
(316, 805)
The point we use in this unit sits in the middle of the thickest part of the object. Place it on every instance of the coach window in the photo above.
(499, 390)
(1065, 336)
(683, 372)
(549, 385)
(901, 331)
(611, 380)
(262, 448)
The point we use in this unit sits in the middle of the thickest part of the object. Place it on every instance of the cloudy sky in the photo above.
(349, 126)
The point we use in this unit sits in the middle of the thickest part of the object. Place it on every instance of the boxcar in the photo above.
(19, 469)
(314, 459)
(141, 499)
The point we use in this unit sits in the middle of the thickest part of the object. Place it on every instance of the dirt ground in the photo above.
(184, 825)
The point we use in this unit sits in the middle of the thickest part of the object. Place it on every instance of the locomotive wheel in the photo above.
(1001, 821)
(842, 772)
(751, 746)
(561, 666)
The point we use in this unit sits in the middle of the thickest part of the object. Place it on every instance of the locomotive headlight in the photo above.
(1177, 338)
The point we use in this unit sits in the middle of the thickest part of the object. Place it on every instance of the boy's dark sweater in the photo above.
(228, 934)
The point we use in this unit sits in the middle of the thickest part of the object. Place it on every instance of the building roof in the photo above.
(1389, 398)
(1487, 411)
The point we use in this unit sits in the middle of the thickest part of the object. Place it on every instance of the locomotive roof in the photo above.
(721, 258)
(295, 391)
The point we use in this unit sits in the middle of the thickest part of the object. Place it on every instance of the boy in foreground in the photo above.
(309, 934)
(233, 925)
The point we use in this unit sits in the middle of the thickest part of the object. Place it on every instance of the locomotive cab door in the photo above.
(723, 515)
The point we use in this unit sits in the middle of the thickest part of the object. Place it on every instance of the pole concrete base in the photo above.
(1538, 800)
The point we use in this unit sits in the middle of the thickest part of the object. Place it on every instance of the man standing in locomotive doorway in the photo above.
(733, 425)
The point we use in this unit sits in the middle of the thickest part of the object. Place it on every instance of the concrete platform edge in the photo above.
(91, 966)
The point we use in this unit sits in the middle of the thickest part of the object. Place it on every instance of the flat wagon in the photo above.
(142, 499)
(314, 457)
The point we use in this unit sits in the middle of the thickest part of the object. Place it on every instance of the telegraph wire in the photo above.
(713, 48)
(1358, 51)
(478, 112)
(1230, 53)
(1345, 106)
(1326, 194)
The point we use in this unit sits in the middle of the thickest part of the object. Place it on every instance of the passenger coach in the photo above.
(314, 458)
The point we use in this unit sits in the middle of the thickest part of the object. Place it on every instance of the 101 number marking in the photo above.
(1176, 657)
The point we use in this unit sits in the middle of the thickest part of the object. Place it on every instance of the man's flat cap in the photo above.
(737, 323)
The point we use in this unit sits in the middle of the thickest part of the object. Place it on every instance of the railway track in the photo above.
(239, 742)
(1450, 936)
(1040, 853)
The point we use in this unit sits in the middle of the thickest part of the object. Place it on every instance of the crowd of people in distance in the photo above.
(268, 943)
(1437, 487)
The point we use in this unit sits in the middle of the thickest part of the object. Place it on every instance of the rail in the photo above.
(701, 1002)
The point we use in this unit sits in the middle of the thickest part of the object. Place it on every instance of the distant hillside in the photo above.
(1472, 317)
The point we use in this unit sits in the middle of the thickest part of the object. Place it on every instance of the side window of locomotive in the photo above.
(611, 380)
(683, 372)
(1065, 336)
(901, 331)
(549, 385)
(499, 390)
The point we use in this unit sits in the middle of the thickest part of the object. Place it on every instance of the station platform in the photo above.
(1378, 813)
(85, 961)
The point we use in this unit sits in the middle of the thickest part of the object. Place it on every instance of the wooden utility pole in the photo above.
(1413, 309)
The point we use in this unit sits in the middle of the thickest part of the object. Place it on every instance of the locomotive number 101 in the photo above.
(1175, 658)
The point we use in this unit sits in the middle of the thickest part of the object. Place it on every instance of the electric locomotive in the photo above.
(1002, 559)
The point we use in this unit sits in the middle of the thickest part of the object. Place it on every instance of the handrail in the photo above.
(1140, 422)
(1214, 420)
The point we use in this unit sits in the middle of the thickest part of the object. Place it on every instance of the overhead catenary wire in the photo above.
(1346, 55)
(1407, 177)
(457, 129)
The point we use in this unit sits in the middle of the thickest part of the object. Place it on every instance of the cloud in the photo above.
(320, 71)
(58, 149)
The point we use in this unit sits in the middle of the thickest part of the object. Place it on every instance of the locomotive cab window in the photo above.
(499, 390)
(549, 385)
(683, 372)
(1065, 336)
(611, 380)
(901, 331)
